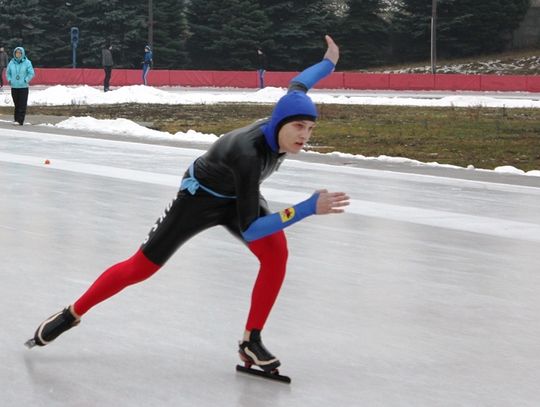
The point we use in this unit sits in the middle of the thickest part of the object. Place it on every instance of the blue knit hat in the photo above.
(295, 105)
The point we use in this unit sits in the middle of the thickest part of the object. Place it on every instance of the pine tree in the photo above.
(411, 25)
(464, 27)
(121, 23)
(18, 28)
(479, 26)
(296, 39)
(56, 18)
(170, 34)
(363, 35)
(220, 41)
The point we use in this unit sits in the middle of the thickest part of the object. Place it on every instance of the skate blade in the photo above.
(30, 343)
(261, 373)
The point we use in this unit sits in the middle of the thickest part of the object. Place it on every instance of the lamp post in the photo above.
(150, 23)
(433, 36)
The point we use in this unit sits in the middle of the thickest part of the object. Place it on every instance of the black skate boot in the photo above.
(253, 352)
(52, 327)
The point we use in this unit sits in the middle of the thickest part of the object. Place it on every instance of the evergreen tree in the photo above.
(363, 35)
(170, 34)
(472, 27)
(121, 23)
(464, 27)
(411, 25)
(225, 33)
(55, 20)
(297, 33)
(17, 26)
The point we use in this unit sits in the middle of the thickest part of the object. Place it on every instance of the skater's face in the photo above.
(18, 54)
(293, 136)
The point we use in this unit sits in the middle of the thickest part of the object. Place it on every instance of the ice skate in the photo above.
(52, 327)
(253, 352)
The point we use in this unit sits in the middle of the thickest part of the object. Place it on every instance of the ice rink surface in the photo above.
(425, 293)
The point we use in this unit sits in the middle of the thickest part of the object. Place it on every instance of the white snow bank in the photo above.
(127, 127)
(87, 95)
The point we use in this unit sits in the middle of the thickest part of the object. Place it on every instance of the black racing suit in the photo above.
(235, 165)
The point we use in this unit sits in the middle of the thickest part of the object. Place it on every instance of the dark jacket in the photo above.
(236, 164)
(261, 60)
(148, 58)
(3, 59)
(239, 161)
(106, 57)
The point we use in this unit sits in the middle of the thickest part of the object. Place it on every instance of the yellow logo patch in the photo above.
(286, 214)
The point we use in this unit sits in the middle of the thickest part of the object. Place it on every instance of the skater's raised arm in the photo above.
(310, 76)
(288, 130)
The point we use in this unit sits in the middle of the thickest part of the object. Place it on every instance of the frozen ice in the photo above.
(424, 293)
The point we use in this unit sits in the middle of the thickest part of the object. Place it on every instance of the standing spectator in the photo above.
(261, 67)
(19, 74)
(107, 62)
(147, 62)
(3, 64)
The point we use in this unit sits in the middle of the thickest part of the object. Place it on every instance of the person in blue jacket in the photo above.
(222, 187)
(261, 67)
(147, 62)
(19, 73)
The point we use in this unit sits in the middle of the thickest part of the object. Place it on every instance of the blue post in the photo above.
(74, 43)
(74, 56)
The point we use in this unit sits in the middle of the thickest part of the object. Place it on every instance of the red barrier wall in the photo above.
(249, 79)
(533, 83)
(456, 81)
(366, 81)
(190, 78)
(502, 83)
(278, 79)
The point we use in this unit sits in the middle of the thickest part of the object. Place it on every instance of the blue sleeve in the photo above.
(275, 222)
(30, 72)
(310, 76)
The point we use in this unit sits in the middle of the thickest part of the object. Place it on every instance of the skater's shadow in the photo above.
(50, 375)
(251, 389)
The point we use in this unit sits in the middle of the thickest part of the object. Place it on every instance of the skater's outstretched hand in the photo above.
(332, 52)
(331, 202)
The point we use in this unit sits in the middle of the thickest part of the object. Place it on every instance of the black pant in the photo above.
(20, 100)
(1, 76)
(188, 215)
(108, 71)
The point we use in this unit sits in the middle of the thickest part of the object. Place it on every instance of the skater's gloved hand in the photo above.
(332, 52)
(331, 202)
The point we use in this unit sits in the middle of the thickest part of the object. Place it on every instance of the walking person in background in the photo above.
(19, 74)
(261, 67)
(107, 62)
(3, 64)
(147, 62)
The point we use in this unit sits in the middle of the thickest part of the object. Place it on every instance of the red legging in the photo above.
(272, 254)
(113, 280)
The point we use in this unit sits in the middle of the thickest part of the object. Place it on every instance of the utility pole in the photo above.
(433, 36)
(150, 23)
